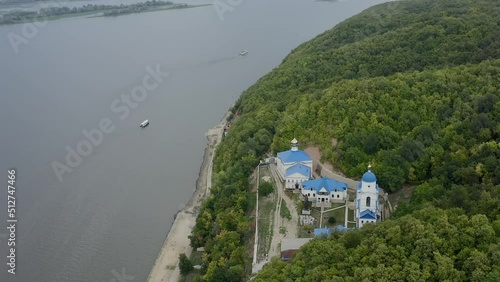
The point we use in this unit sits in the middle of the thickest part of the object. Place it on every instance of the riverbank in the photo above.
(166, 266)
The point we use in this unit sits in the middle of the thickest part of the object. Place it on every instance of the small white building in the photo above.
(324, 191)
(294, 166)
(367, 199)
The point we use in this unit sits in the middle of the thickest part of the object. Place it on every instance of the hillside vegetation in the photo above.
(410, 87)
(429, 245)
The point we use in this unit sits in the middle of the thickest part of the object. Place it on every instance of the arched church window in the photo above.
(368, 200)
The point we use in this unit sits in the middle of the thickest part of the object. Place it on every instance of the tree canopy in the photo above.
(428, 245)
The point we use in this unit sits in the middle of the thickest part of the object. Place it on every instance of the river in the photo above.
(107, 210)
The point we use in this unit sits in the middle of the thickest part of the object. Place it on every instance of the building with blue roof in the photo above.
(368, 215)
(322, 232)
(324, 191)
(301, 169)
(369, 177)
(341, 228)
(294, 156)
(294, 166)
(367, 199)
(326, 232)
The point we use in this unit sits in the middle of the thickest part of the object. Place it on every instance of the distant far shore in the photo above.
(55, 13)
(21, 2)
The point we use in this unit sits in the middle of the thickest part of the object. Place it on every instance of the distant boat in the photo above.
(243, 53)
(144, 123)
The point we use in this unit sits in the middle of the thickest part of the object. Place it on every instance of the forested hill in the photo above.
(410, 87)
(428, 245)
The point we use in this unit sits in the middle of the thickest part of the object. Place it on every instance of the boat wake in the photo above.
(218, 60)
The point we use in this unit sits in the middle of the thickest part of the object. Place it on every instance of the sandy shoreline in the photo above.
(177, 242)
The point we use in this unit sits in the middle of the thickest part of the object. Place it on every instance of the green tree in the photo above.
(265, 188)
(331, 220)
(185, 265)
(236, 273)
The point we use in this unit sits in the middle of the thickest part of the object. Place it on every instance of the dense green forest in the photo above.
(16, 16)
(410, 87)
(428, 245)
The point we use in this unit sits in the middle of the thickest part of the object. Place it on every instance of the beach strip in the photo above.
(166, 266)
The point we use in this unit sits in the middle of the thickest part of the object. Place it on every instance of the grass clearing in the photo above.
(267, 207)
(338, 214)
(350, 217)
(252, 201)
(285, 212)
(266, 211)
(306, 231)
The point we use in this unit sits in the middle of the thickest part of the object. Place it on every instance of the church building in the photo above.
(367, 203)
(294, 166)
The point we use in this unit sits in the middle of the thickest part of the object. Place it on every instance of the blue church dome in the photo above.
(369, 177)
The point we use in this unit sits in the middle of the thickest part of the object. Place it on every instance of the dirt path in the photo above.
(290, 226)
